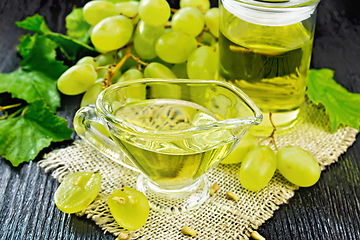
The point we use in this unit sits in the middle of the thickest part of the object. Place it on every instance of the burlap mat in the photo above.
(219, 217)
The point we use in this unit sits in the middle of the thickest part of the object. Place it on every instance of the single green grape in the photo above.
(203, 5)
(203, 63)
(77, 191)
(107, 58)
(219, 104)
(257, 168)
(237, 155)
(129, 207)
(180, 70)
(208, 39)
(162, 90)
(175, 46)
(145, 38)
(189, 20)
(95, 11)
(212, 21)
(129, 9)
(92, 93)
(77, 79)
(131, 74)
(158, 70)
(89, 60)
(298, 166)
(112, 33)
(154, 12)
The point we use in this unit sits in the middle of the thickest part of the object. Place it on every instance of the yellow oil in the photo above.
(171, 161)
(270, 64)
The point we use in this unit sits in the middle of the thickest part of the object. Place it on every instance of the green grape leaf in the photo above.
(39, 49)
(76, 26)
(23, 137)
(341, 105)
(30, 86)
(35, 24)
(71, 48)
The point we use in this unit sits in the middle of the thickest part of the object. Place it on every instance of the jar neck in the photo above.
(271, 13)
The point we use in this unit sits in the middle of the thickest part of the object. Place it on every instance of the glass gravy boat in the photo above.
(172, 131)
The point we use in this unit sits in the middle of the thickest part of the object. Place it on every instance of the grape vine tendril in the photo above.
(9, 106)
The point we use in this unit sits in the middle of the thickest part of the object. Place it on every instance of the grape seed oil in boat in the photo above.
(182, 160)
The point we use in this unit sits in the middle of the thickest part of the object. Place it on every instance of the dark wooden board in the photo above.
(328, 210)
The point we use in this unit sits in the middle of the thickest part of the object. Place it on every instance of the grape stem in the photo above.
(122, 61)
(135, 16)
(127, 55)
(174, 10)
(272, 135)
(138, 60)
(138, 67)
(200, 36)
(104, 67)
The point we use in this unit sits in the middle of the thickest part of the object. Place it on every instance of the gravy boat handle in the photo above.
(89, 126)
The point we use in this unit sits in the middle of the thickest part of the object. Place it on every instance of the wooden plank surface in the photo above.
(328, 210)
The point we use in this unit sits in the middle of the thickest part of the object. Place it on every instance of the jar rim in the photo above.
(271, 13)
(276, 3)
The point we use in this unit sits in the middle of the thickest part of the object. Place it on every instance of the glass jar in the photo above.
(265, 49)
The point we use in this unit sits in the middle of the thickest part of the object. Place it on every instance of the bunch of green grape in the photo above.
(259, 163)
(145, 39)
(129, 207)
